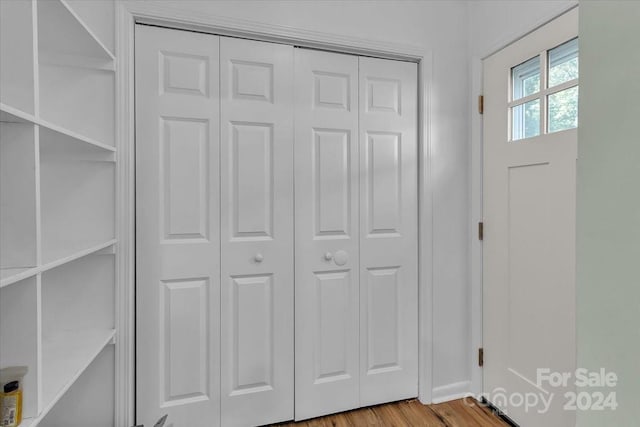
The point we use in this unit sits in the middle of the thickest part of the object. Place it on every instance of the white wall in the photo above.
(608, 248)
(495, 23)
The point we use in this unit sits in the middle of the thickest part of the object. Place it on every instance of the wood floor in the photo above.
(410, 413)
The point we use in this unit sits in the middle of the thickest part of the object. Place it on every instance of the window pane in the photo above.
(525, 78)
(525, 120)
(563, 63)
(563, 110)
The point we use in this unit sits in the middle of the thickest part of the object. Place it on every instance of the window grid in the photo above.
(517, 103)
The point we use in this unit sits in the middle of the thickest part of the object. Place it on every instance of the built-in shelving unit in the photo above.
(57, 198)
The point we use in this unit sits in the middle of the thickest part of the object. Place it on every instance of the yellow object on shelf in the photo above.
(11, 395)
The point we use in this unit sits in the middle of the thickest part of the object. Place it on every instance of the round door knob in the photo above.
(328, 256)
(341, 258)
(258, 258)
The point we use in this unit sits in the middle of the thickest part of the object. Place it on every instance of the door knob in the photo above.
(328, 256)
(341, 258)
(258, 257)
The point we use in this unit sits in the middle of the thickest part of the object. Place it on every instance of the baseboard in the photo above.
(452, 391)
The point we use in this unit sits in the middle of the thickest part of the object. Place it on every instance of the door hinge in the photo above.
(481, 231)
(481, 104)
(481, 357)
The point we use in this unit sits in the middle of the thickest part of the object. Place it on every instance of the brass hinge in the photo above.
(481, 357)
(481, 104)
(481, 231)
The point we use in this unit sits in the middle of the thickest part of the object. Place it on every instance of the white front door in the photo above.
(177, 227)
(256, 152)
(356, 232)
(530, 149)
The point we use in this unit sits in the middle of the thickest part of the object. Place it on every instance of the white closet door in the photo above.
(178, 252)
(388, 231)
(327, 229)
(256, 89)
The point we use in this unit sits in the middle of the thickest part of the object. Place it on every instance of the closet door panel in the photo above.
(389, 230)
(256, 91)
(177, 202)
(327, 211)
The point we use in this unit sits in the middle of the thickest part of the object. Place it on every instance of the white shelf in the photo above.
(66, 356)
(21, 274)
(60, 29)
(11, 272)
(50, 130)
(10, 114)
(90, 402)
(76, 76)
(57, 219)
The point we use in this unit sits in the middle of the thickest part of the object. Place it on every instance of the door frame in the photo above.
(130, 13)
(476, 184)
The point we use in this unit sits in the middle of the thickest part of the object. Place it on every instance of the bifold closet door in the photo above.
(256, 90)
(214, 159)
(177, 227)
(388, 231)
(356, 232)
(327, 230)
(215, 230)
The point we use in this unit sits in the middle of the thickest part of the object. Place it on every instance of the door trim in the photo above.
(127, 15)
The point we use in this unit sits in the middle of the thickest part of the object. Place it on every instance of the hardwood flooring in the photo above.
(409, 413)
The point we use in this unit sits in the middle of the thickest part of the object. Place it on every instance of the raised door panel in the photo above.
(252, 352)
(184, 330)
(251, 169)
(331, 339)
(185, 172)
(332, 179)
(327, 230)
(256, 95)
(177, 227)
(389, 230)
(383, 319)
(383, 170)
(184, 74)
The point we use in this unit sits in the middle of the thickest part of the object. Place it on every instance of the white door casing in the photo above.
(529, 242)
(327, 233)
(256, 127)
(388, 231)
(178, 249)
(129, 14)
